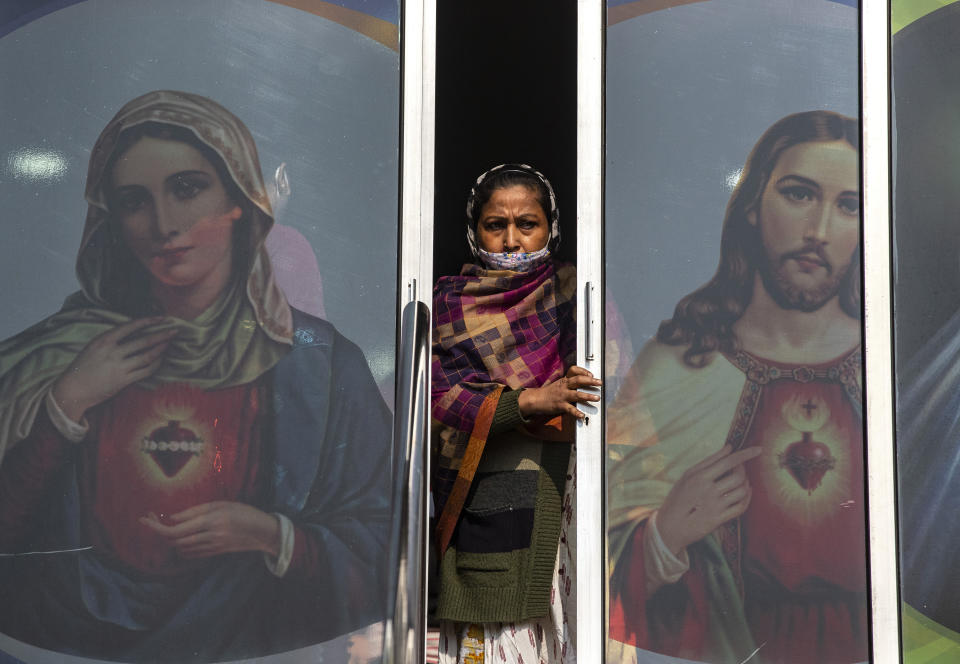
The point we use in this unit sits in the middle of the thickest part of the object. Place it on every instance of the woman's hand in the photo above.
(708, 495)
(110, 362)
(219, 527)
(559, 397)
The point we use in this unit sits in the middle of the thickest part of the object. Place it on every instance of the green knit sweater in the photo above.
(499, 565)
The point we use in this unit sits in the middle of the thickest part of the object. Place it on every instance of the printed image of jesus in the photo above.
(735, 447)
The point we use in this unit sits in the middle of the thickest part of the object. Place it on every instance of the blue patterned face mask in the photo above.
(518, 261)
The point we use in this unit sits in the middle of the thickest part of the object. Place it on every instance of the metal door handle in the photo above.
(588, 321)
(404, 631)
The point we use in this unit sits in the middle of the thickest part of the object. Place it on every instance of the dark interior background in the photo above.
(506, 92)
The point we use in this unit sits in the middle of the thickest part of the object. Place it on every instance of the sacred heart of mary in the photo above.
(172, 446)
(807, 459)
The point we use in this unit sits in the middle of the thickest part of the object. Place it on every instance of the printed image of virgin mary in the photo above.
(190, 469)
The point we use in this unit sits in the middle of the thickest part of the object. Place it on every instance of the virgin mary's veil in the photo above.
(239, 338)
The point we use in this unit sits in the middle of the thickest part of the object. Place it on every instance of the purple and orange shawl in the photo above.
(492, 329)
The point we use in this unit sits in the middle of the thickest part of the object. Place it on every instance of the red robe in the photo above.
(799, 552)
(157, 452)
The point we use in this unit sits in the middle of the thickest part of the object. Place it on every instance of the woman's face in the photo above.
(174, 213)
(512, 221)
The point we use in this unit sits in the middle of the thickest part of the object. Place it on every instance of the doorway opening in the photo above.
(506, 91)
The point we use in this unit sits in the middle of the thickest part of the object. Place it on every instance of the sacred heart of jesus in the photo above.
(172, 446)
(807, 460)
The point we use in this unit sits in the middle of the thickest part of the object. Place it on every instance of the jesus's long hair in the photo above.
(704, 319)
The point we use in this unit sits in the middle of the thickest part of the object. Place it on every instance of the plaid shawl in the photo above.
(491, 330)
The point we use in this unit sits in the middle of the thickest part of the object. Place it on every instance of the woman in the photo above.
(503, 352)
(204, 462)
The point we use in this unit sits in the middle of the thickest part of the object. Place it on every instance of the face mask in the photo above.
(518, 261)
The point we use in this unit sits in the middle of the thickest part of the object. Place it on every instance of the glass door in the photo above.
(924, 59)
(735, 476)
(202, 247)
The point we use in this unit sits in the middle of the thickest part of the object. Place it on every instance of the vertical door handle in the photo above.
(405, 629)
(588, 309)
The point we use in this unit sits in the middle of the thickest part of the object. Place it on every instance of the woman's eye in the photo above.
(797, 193)
(526, 224)
(493, 226)
(186, 188)
(849, 205)
(131, 201)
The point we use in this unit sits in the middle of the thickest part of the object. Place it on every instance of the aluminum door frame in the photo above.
(878, 365)
(590, 544)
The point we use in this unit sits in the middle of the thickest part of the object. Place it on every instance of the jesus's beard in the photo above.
(789, 295)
